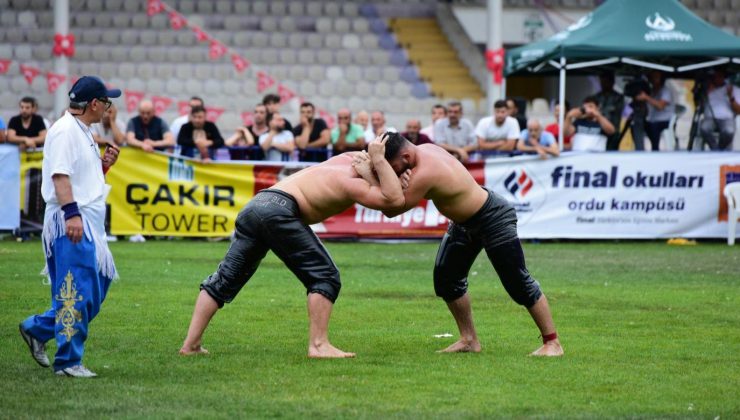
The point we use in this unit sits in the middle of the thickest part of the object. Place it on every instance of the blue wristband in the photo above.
(70, 210)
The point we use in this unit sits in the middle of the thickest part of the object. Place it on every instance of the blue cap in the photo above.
(88, 88)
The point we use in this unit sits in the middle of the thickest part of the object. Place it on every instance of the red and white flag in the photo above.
(133, 97)
(161, 104)
(200, 35)
(264, 81)
(177, 21)
(213, 113)
(216, 50)
(29, 72)
(240, 63)
(247, 118)
(285, 94)
(4, 66)
(153, 7)
(183, 107)
(53, 81)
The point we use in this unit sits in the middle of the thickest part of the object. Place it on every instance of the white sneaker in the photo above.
(111, 238)
(38, 349)
(77, 371)
(137, 238)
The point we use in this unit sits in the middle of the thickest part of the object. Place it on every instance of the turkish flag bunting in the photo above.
(200, 35)
(240, 64)
(133, 97)
(285, 94)
(212, 113)
(247, 118)
(326, 116)
(216, 50)
(4, 66)
(161, 104)
(183, 108)
(53, 81)
(264, 81)
(64, 45)
(177, 21)
(153, 7)
(495, 64)
(29, 73)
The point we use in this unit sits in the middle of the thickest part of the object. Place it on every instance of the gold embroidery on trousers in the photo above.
(67, 314)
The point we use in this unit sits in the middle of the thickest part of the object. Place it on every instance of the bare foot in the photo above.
(327, 351)
(192, 351)
(462, 346)
(551, 348)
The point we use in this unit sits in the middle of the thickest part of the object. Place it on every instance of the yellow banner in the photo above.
(158, 194)
(32, 204)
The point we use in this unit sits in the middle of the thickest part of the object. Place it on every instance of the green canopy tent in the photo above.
(655, 34)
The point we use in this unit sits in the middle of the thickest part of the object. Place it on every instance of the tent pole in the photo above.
(494, 10)
(561, 101)
(61, 63)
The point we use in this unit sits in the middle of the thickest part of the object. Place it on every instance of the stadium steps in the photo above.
(438, 63)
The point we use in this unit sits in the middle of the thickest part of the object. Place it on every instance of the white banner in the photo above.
(617, 195)
(10, 204)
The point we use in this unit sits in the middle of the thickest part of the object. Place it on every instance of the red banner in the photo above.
(200, 35)
(154, 6)
(29, 72)
(216, 50)
(240, 63)
(53, 81)
(247, 118)
(285, 94)
(264, 81)
(161, 104)
(212, 113)
(133, 97)
(177, 21)
(4, 66)
(183, 108)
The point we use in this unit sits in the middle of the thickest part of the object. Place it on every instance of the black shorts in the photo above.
(271, 221)
(493, 227)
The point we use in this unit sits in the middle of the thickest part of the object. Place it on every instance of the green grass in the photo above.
(649, 330)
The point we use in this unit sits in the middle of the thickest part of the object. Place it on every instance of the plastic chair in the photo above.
(732, 194)
(669, 134)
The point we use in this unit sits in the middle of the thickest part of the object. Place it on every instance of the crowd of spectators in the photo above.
(595, 125)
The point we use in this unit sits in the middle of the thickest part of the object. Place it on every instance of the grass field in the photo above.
(649, 331)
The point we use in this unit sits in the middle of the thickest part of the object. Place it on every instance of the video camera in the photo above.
(635, 86)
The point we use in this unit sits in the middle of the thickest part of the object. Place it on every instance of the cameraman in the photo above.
(723, 103)
(611, 104)
(659, 111)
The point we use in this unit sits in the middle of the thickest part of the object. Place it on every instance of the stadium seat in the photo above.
(134, 6)
(160, 22)
(27, 19)
(372, 74)
(296, 8)
(202, 71)
(196, 55)
(331, 9)
(307, 88)
(186, 6)
(140, 21)
(353, 73)
(316, 72)
(94, 5)
(732, 195)
(110, 38)
(350, 41)
(360, 26)
(260, 40)
(278, 40)
(325, 57)
(122, 20)
(42, 54)
(324, 24)
(350, 9)
(297, 73)
(314, 40)
(268, 56)
(242, 7)
(288, 56)
(327, 87)
(148, 37)
(363, 88)
(100, 53)
(113, 5)
(278, 7)
(259, 8)
(297, 40)
(342, 25)
(129, 37)
(343, 58)
(314, 8)
(176, 54)
(174, 87)
(126, 70)
(390, 74)
(137, 54)
(194, 87)
(22, 53)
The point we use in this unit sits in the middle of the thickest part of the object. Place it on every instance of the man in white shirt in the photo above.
(278, 143)
(110, 129)
(498, 132)
(723, 103)
(455, 133)
(377, 126)
(79, 263)
(438, 112)
(178, 122)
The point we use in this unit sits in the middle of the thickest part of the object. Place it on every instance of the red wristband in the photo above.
(549, 337)
(105, 169)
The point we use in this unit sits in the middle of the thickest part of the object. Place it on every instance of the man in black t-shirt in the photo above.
(199, 134)
(27, 129)
(311, 133)
(271, 101)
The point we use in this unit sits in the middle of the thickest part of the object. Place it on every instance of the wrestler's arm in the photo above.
(417, 189)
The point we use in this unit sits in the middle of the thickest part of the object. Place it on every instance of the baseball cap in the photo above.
(88, 88)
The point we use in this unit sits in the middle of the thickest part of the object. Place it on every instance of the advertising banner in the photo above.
(626, 195)
(10, 205)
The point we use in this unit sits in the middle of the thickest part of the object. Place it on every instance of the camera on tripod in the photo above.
(635, 86)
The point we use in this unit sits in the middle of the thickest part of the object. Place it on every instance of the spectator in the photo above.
(311, 133)
(590, 128)
(278, 143)
(245, 136)
(363, 120)
(111, 129)
(27, 129)
(534, 139)
(347, 136)
(438, 112)
(554, 127)
(147, 131)
(722, 104)
(178, 122)
(455, 133)
(513, 110)
(413, 133)
(199, 134)
(377, 126)
(3, 128)
(272, 103)
(498, 132)
(47, 123)
(659, 111)
(611, 104)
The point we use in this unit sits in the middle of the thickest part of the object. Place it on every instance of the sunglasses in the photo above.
(106, 101)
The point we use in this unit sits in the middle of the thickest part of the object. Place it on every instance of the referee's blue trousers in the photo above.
(77, 291)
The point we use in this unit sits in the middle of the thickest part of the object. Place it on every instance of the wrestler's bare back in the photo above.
(439, 177)
(318, 189)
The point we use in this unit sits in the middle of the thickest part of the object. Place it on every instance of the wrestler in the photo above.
(278, 219)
